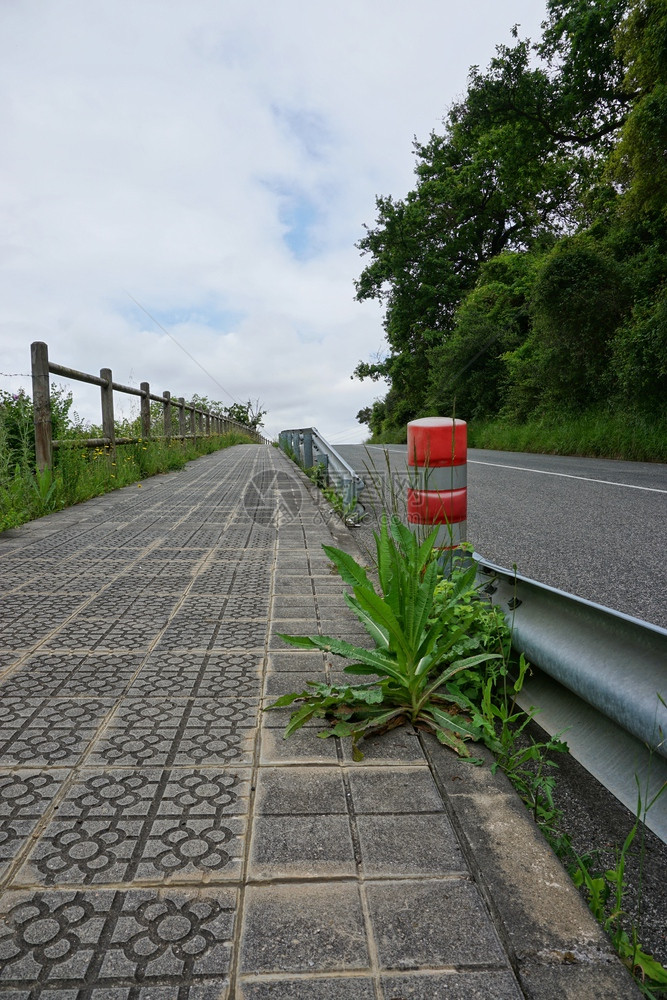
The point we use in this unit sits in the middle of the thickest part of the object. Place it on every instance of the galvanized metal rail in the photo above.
(601, 677)
(311, 450)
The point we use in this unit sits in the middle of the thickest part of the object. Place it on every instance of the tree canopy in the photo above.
(526, 270)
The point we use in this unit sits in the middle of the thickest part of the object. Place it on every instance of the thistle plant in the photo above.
(414, 663)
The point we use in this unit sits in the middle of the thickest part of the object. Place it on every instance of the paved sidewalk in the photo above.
(158, 837)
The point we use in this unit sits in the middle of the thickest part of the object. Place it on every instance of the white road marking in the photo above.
(564, 475)
(540, 472)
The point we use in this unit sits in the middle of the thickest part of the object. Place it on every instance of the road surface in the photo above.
(592, 527)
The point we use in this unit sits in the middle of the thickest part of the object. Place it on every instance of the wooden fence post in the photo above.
(41, 405)
(193, 424)
(166, 416)
(108, 429)
(208, 424)
(145, 410)
(181, 417)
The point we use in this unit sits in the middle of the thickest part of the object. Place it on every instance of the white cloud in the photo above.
(216, 159)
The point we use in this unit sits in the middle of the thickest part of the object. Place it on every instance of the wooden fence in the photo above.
(193, 422)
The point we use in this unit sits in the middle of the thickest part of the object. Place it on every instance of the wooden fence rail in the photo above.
(193, 422)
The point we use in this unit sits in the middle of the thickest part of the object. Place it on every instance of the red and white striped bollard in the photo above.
(437, 462)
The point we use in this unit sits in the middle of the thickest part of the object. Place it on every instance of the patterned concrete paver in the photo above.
(158, 837)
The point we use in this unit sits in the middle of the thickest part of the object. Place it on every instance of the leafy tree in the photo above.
(251, 414)
(467, 371)
(526, 270)
(578, 302)
(374, 417)
(639, 160)
(640, 356)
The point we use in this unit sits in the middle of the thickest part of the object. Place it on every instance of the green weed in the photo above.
(413, 663)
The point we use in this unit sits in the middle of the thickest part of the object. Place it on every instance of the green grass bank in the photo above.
(82, 473)
(634, 438)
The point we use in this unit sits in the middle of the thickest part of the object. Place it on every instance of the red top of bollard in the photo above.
(434, 442)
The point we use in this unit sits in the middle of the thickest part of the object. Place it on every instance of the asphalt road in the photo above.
(592, 527)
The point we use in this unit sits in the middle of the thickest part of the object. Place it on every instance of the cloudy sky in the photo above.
(215, 160)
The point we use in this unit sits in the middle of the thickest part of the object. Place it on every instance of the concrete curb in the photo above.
(557, 948)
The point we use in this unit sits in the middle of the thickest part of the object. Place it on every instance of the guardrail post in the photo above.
(145, 410)
(181, 417)
(200, 422)
(108, 429)
(308, 449)
(207, 418)
(166, 416)
(437, 457)
(41, 405)
(193, 424)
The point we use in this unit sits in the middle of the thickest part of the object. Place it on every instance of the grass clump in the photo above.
(421, 649)
(82, 473)
(633, 438)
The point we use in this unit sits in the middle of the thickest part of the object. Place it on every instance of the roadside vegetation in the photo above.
(79, 472)
(441, 659)
(524, 278)
(636, 438)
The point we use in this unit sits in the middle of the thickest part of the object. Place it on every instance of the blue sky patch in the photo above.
(308, 128)
(218, 319)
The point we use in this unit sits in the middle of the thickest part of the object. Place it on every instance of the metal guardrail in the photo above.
(614, 662)
(598, 679)
(311, 450)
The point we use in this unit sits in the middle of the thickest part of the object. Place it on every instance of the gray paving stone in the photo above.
(452, 986)
(293, 621)
(420, 845)
(72, 675)
(7, 661)
(285, 791)
(589, 981)
(303, 747)
(104, 939)
(403, 790)
(226, 680)
(201, 675)
(297, 585)
(287, 682)
(431, 924)
(297, 607)
(239, 635)
(186, 634)
(309, 989)
(182, 732)
(301, 847)
(399, 746)
(295, 660)
(40, 732)
(24, 797)
(303, 928)
(150, 825)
